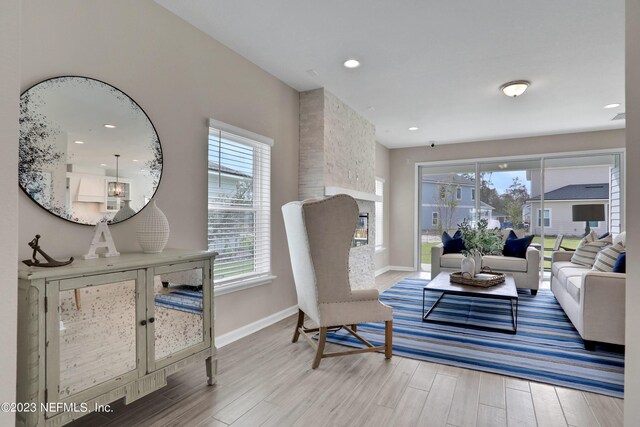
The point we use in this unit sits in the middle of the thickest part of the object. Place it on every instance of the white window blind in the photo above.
(239, 203)
(379, 212)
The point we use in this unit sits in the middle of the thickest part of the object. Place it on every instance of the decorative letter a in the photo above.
(102, 239)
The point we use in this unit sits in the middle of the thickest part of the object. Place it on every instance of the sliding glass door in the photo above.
(447, 197)
(555, 198)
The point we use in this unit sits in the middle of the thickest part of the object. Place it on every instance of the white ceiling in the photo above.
(437, 64)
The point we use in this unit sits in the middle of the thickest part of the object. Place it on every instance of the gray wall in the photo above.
(382, 171)
(180, 77)
(9, 102)
(632, 366)
(403, 160)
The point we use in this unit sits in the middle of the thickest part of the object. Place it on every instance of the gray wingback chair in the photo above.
(319, 233)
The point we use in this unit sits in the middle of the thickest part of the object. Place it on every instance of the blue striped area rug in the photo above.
(547, 348)
(182, 300)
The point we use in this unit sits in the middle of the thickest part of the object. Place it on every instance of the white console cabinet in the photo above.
(99, 330)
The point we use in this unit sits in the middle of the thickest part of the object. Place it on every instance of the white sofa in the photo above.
(593, 300)
(525, 271)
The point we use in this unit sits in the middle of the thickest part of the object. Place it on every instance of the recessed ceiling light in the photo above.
(103, 164)
(352, 63)
(515, 88)
(134, 160)
(109, 126)
(614, 105)
(79, 142)
(413, 128)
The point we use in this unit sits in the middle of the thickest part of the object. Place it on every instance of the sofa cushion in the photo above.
(557, 266)
(516, 247)
(512, 235)
(576, 271)
(574, 284)
(504, 263)
(620, 238)
(452, 245)
(607, 257)
(451, 261)
(621, 263)
(586, 253)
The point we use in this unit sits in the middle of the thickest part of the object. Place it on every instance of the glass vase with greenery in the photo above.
(480, 240)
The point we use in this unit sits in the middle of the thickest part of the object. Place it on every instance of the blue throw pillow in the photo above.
(512, 235)
(452, 245)
(621, 263)
(603, 236)
(517, 247)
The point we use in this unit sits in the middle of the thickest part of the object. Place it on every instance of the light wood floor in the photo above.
(265, 380)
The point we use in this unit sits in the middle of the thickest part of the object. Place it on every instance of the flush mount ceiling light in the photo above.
(412, 128)
(515, 88)
(109, 126)
(351, 63)
(79, 142)
(614, 105)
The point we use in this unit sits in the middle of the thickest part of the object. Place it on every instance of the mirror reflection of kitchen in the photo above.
(88, 152)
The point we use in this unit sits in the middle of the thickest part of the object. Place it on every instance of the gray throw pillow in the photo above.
(607, 257)
(586, 253)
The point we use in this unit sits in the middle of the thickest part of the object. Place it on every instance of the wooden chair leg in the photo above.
(322, 338)
(354, 327)
(296, 334)
(77, 294)
(388, 339)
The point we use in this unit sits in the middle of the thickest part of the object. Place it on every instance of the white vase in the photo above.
(125, 212)
(478, 263)
(468, 265)
(153, 231)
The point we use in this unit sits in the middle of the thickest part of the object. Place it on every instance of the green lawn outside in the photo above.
(568, 242)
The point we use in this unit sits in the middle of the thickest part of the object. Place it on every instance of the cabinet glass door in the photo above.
(94, 333)
(181, 301)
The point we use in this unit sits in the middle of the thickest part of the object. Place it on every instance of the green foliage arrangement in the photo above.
(481, 240)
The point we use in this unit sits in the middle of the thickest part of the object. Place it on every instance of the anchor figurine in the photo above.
(35, 262)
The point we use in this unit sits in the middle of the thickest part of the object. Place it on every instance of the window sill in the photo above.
(229, 288)
(380, 249)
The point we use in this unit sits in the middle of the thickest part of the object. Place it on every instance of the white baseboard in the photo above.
(401, 268)
(382, 270)
(252, 327)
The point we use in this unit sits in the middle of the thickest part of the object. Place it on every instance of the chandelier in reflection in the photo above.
(116, 189)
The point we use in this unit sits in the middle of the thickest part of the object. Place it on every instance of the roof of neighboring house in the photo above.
(577, 192)
(486, 205)
(224, 169)
(448, 179)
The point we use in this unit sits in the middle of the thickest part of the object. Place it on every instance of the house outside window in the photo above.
(379, 212)
(547, 218)
(239, 223)
(434, 218)
(473, 194)
(459, 193)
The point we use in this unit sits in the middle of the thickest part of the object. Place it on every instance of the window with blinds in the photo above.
(239, 203)
(379, 232)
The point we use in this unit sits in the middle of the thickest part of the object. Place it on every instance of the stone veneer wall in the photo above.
(337, 148)
(349, 147)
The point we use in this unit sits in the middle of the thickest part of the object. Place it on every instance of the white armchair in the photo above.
(319, 233)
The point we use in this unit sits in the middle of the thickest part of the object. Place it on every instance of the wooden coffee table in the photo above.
(503, 291)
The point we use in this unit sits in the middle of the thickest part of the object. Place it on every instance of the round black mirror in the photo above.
(88, 152)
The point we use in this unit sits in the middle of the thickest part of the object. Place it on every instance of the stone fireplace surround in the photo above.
(337, 156)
